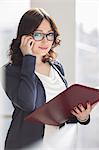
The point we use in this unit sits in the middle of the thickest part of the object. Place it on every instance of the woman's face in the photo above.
(43, 38)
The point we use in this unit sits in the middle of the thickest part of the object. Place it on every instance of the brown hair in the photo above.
(27, 25)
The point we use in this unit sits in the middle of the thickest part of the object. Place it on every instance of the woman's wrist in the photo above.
(83, 120)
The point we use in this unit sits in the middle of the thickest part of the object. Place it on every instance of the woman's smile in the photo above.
(43, 48)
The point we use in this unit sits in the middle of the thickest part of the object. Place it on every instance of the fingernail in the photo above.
(88, 102)
(75, 108)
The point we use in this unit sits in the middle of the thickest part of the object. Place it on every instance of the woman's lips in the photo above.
(43, 48)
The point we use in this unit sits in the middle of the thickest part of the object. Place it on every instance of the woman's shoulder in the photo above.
(10, 68)
(9, 74)
(59, 65)
(57, 62)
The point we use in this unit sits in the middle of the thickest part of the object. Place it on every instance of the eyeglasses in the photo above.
(37, 36)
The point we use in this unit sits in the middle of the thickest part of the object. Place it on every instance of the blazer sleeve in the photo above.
(21, 86)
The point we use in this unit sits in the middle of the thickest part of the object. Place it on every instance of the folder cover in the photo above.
(58, 110)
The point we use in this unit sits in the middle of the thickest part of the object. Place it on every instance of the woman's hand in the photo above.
(81, 113)
(26, 45)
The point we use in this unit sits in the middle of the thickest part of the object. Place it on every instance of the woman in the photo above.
(33, 77)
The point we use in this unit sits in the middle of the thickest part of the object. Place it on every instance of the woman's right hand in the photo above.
(26, 45)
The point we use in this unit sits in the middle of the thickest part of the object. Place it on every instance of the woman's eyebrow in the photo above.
(42, 30)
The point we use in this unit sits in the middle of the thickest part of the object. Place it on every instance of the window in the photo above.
(87, 31)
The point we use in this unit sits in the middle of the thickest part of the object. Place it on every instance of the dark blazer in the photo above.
(26, 93)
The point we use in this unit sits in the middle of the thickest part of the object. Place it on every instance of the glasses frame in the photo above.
(44, 35)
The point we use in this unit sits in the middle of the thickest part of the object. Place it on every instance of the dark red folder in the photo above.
(58, 110)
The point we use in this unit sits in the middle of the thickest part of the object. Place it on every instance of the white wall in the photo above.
(63, 11)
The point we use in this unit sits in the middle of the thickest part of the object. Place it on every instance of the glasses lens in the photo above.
(50, 36)
(38, 36)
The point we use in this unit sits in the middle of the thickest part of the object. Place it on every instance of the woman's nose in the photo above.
(44, 39)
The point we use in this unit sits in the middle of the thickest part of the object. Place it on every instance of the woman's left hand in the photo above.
(82, 113)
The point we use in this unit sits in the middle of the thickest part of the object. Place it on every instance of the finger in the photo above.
(81, 107)
(22, 40)
(77, 110)
(30, 42)
(74, 113)
(26, 40)
(89, 108)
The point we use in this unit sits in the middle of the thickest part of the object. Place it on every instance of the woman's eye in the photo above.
(37, 34)
(51, 34)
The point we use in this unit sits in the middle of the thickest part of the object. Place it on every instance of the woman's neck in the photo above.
(39, 60)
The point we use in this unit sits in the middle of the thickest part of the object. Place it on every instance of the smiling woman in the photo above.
(33, 77)
(47, 27)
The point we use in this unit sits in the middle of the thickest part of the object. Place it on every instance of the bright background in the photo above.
(78, 23)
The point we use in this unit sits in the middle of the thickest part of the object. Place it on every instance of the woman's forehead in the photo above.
(44, 26)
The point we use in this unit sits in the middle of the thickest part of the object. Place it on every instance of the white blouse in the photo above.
(53, 85)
